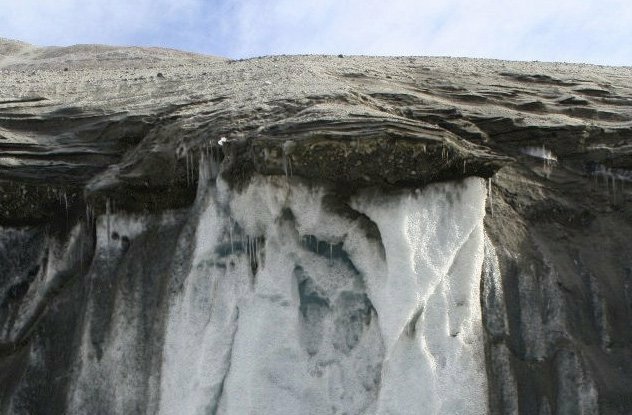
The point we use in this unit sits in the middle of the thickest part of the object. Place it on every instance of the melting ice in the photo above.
(298, 303)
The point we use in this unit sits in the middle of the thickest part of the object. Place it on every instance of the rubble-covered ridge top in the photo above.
(101, 121)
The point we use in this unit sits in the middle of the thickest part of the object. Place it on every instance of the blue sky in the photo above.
(593, 31)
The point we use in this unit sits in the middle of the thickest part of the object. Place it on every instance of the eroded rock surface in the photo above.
(107, 160)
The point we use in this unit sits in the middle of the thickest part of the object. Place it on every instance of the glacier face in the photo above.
(297, 303)
(110, 318)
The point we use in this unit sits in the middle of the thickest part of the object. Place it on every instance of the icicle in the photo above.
(445, 154)
(251, 245)
(211, 162)
(66, 203)
(192, 169)
(207, 168)
(256, 250)
(331, 253)
(489, 196)
(107, 220)
(249, 249)
(285, 163)
(88, 216)
(186, 156)
(81, 252)
(230, 234)
(201, 169)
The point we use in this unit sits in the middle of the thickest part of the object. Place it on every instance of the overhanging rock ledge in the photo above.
(172, 210)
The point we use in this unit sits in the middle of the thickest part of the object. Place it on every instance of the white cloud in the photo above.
(63, 22)
(565, 30)
(576, 30)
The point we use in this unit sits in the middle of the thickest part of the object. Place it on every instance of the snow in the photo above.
(544, 154)
(540, 152)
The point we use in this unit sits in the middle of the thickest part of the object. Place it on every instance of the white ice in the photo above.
(324, 316)
(541, 153)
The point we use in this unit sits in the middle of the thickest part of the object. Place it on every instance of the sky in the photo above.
(589, 31)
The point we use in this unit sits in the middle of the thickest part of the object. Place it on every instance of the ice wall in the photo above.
(301, 302)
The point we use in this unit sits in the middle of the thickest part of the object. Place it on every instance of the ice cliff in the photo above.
(182, 234)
